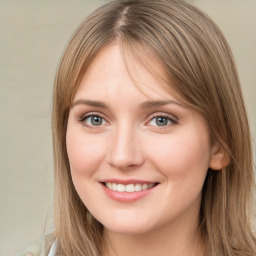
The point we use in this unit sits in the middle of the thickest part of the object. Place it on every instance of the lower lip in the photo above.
(127, 197)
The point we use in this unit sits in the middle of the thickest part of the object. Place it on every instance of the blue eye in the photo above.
(161, 121)
(93, 120)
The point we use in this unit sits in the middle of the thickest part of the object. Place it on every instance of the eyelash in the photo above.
(172, 120)
(90, 115)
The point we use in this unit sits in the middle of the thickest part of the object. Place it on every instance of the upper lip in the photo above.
(126, 182)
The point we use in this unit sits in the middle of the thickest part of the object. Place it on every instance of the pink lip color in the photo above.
(127, 197)
(125, 182)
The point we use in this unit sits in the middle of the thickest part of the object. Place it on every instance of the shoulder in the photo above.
(38, 248)
(34, 248)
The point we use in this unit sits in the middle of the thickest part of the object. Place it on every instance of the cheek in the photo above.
(183, 162)
(182, 156)
(85, 153)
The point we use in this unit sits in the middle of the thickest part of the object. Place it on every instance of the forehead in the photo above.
(116, 68)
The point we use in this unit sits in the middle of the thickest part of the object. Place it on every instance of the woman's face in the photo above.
(138, 155)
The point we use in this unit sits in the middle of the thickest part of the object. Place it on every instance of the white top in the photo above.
(52, 250)
(37, 248)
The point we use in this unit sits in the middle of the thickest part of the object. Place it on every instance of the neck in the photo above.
(175, 240)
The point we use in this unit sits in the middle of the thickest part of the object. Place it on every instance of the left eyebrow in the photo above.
(92, 103)
(153, 104)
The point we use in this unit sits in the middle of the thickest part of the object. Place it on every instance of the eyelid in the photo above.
(83, 117)
(173, 118)
(87, 114)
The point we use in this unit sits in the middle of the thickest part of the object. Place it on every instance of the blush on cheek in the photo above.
(84, 154)
(183, 156)
(81, 161)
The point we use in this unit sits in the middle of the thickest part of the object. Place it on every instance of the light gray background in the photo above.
(33, 36)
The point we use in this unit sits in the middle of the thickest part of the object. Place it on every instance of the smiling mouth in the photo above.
(130, 188)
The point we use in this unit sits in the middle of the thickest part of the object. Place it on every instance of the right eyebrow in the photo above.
(159, 103)
(92, 103)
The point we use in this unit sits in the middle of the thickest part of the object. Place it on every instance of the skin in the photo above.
(129, 143)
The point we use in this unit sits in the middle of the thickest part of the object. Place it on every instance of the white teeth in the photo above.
(114, 186)
(120, 188)
(145, 186)
(138, 187)
(129, 187)
(109, 185)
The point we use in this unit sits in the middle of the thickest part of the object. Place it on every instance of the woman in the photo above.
(151, 140)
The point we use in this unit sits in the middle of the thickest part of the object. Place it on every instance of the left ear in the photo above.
(219, 158)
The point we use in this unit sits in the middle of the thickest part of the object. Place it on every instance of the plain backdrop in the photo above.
(33, 36)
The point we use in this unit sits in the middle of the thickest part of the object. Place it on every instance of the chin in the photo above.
(128, 227)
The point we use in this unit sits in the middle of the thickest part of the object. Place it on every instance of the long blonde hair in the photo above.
(196, 56)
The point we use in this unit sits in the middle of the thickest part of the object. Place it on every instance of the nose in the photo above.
(125, 151)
